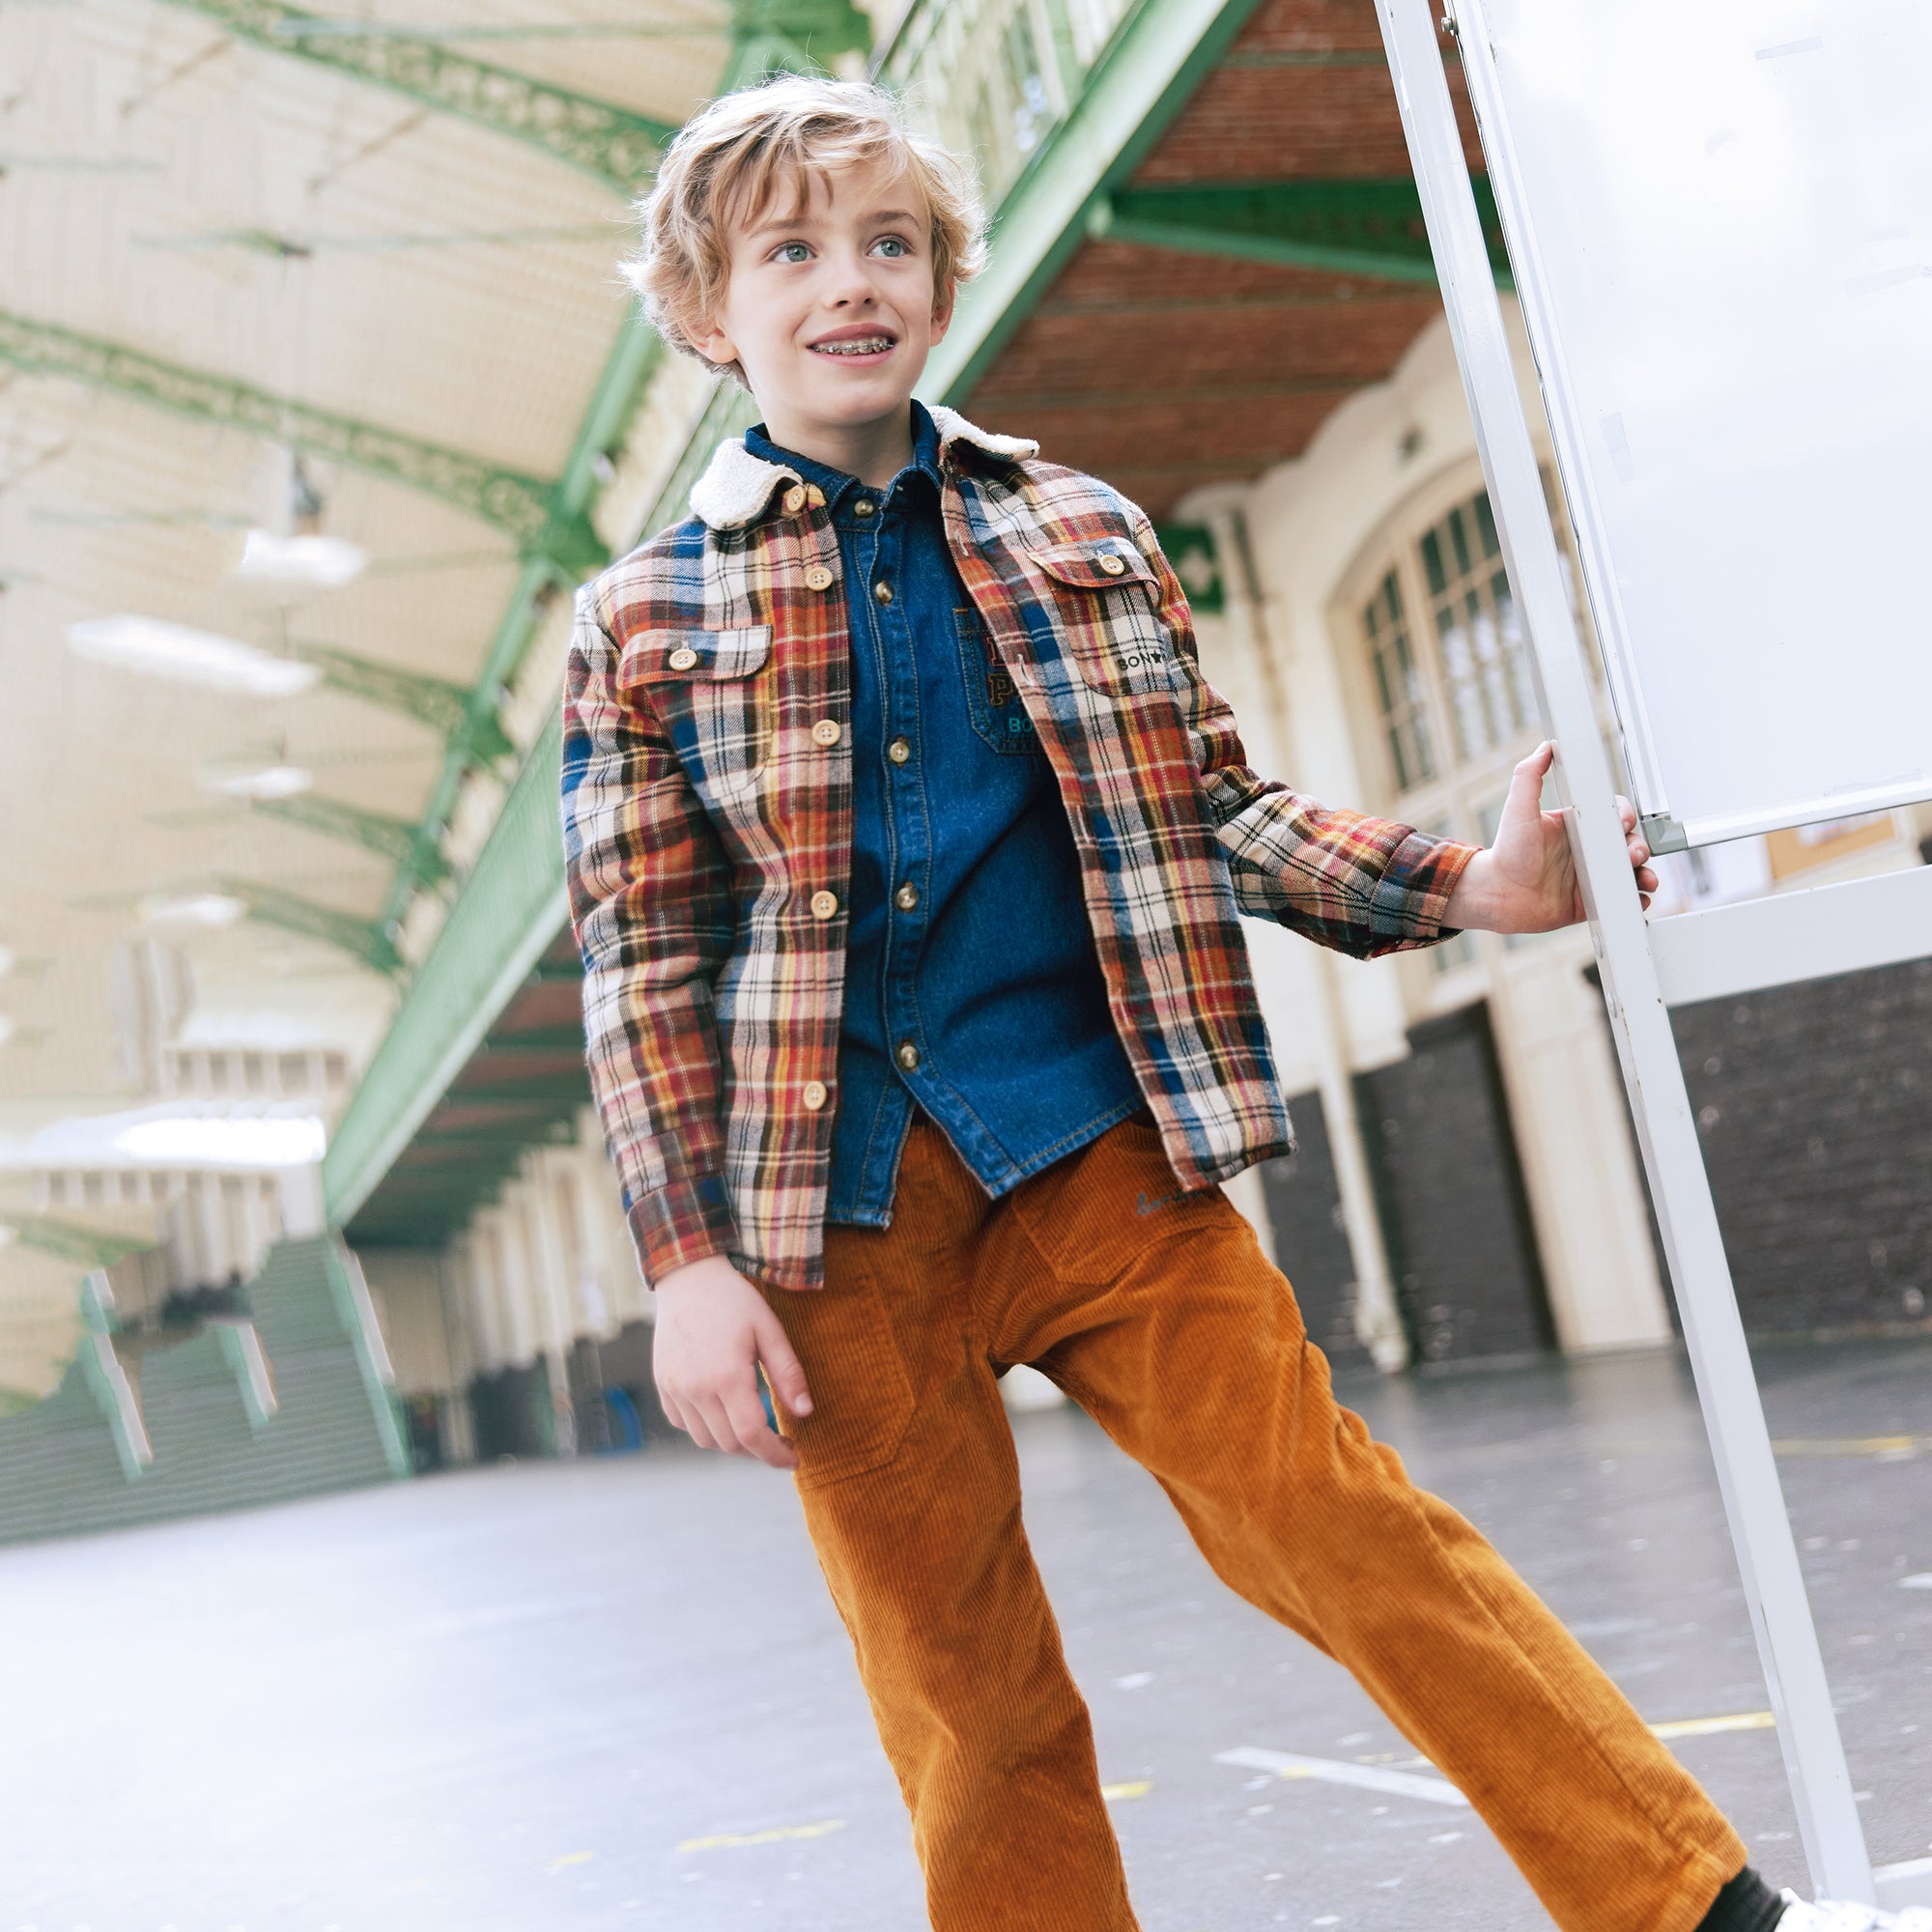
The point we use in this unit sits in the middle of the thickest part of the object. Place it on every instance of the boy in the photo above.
(907, 848)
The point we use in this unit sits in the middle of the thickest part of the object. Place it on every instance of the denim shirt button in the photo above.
(898, 751)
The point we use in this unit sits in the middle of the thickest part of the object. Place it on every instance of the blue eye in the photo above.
(893, 246)
(792, 251)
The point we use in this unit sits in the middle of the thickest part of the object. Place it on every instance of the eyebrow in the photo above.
(800, 219)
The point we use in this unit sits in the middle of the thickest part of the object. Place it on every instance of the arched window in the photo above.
(1441, 682)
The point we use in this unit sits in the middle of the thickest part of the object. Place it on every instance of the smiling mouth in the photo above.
(858, 345)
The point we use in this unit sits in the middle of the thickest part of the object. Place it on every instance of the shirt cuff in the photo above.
(1412, 894)
(686, 1220)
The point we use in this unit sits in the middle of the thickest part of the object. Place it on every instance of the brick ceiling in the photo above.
(1162, 371)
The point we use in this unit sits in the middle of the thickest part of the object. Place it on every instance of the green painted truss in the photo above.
(617, 146)
(523, 507)
(1367, 227)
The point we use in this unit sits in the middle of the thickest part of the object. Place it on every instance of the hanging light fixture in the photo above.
(187, 656)
(208, 909)
(303, 561)
(262, 782)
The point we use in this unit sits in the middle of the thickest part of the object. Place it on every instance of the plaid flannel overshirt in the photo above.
(707, 816)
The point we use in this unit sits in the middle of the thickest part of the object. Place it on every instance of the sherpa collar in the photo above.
(736, 485)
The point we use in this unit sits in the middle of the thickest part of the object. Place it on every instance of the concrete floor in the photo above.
(613, 1694)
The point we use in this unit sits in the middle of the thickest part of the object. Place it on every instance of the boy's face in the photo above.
(830, 307)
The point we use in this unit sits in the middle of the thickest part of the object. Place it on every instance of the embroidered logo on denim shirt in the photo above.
(997, 715)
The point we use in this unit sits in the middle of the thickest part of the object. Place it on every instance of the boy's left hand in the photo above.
(1526, 880)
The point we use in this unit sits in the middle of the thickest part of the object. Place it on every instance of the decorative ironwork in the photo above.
(616, 145)
(513, 502)
(392, 838)
(446, 708)
(361, 938)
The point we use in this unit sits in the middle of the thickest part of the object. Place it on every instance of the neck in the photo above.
(875, 452)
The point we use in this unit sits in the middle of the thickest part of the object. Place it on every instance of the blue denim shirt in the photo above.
(970, 952)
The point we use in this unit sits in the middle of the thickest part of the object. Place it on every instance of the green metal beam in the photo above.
(362, 939)
(1132, 93)
(391, 838)
(616, 145)
(791, 37)
(519, 505)
(619, 390)
(506, 918)
(1369, 227)
(444, 706)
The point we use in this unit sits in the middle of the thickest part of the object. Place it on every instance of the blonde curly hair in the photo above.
(733, 159)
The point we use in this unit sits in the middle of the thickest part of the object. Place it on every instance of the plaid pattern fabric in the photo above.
(708, 834)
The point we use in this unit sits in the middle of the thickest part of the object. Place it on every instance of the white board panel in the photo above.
(1720, 219)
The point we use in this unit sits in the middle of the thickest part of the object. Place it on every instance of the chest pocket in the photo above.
(1109, 604)
(711, 691)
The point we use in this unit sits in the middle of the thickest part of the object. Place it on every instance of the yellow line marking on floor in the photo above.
(1850, 1445)
(775, 1834)
(1710, 1727)
(1138, 1787)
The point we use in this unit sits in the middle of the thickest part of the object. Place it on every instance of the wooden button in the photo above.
(826, 732)
(1113, 565)
(883, 592)
(814, 496)
(818, 577)
(815, 1095)
(794, 500)
(898, 751)
(824, 904)
(906, 897)
(682, 659)
(907, 1056)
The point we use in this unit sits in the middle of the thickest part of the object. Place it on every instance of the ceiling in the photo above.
(1164, 368)
(212, 248)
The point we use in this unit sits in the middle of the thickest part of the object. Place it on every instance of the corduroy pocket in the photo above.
(862, 1398)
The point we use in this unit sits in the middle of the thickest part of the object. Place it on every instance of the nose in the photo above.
(850, 285)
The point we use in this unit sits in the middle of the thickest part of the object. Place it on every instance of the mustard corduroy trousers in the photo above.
(1160, 1314)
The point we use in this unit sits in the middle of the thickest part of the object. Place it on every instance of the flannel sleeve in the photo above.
(651, 902)
(1360, 885)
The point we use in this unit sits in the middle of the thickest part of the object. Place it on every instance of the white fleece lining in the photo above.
(736, 485)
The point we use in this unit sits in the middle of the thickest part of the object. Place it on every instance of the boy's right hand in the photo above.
(713, 1330)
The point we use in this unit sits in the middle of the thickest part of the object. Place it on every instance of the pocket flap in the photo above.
(687, 657)
(1106, 563)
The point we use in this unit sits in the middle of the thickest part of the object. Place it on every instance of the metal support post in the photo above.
(1774, 1585)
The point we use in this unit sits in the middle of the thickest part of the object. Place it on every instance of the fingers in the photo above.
(782, 1367)
(730, 1419)
(754, 1436)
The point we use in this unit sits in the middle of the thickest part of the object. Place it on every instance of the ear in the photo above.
(713, 343)
(942, 312)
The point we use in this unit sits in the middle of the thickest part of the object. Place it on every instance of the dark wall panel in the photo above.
(1814, 1105)
(1311, 1242)
(1438, 1131)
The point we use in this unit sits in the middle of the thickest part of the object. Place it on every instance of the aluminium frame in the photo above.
(1666, 1130)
